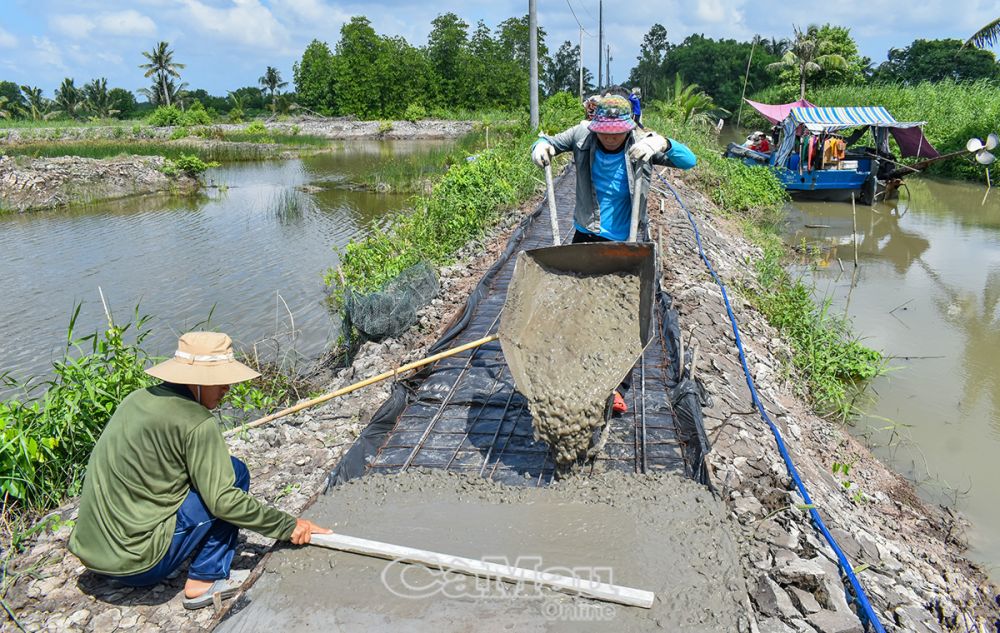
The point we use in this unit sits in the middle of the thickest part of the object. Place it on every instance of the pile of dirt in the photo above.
(45, 183)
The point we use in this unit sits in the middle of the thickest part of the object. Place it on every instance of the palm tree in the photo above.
(271, 81)
(6, 110)
(986, 36)
(38, 107)
(162, 65)
(98, 100)
(775, 47)
(694, 104)
(166, 93)
(805, 57)
(68, 98)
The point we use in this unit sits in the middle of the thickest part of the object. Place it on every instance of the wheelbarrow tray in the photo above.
(525, 320)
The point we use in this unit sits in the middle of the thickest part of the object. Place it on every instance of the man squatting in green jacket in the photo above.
(604, 148)
(161, 486)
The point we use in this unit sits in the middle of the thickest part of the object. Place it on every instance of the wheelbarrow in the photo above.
(575, 321)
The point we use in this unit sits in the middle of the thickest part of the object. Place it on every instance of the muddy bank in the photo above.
(332, 128)
(46, 183)
(552, 330)
(912, 554)
(660, 533)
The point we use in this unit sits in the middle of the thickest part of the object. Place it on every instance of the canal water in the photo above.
(249, 253)
(926, 292)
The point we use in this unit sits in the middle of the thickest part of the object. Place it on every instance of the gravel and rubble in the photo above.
(910, 554)
(29, 184)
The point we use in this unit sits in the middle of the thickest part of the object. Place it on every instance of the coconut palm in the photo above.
(805, 56)
(986, 36)
(38, 107)
(6, 109)
(98, 99)
(693, 104)
(166, 93)
(163, 67)
(271, 81)
(68, 98)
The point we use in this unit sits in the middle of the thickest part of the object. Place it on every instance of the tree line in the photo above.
(823, 55)
(459, 67)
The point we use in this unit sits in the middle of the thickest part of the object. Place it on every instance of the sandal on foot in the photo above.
(226, 587)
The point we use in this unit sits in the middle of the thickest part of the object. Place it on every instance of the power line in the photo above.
(577, 19)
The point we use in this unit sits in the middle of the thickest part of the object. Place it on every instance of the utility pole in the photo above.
(581, 63)
(533, 55)
(608, 60)
(600, 43)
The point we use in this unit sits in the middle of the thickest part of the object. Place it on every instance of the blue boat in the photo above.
(812, 158)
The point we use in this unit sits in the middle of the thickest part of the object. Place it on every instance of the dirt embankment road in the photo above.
(326, 127)
(31, 184)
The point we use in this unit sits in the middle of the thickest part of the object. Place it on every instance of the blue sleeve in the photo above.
(636, 107)
(679, 155)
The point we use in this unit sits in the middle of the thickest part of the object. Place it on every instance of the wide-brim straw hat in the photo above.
(203, 358)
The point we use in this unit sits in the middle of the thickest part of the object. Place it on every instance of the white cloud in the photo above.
(72, 25)
(46, 53)
(119, 23)
(128, 22)
(6, 39)
(245, 22)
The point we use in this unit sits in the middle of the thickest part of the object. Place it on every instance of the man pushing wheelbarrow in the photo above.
(577, 317)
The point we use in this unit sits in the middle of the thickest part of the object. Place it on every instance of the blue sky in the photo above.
(228, 43)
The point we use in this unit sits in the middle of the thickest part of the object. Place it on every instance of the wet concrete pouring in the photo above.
(580, 338)
(619, 513)
(916, 572)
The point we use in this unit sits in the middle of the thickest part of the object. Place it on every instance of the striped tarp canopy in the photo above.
(827, 119)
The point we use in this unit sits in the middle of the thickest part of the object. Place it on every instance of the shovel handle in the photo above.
(633, 230)
(552, 204)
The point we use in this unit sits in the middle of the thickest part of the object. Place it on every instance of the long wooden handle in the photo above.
(553, 219)
(364, 383)
(633, 230)
(446, 562)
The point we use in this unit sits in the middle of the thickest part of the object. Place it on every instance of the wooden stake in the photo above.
(473, 567)
(854, 217)
(364, 383)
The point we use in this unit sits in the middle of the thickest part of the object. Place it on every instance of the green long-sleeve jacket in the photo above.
(159, 444)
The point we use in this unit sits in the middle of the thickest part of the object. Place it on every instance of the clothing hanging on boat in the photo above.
(834, 150)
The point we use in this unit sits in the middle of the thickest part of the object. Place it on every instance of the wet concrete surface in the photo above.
(576, 337)
(661, 533)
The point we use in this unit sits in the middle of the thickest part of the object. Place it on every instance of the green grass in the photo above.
(101, 148)
(955, 112)
(27, 124)
(412, 172)
(465, 201)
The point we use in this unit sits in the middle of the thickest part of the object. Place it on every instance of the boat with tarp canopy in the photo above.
(812, 157)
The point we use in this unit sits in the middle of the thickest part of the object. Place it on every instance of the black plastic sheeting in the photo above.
(463, 413)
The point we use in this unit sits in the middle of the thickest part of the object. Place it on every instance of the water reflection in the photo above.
(259, 237)
(926, 292)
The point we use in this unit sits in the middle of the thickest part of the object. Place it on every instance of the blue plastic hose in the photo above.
(869, 618)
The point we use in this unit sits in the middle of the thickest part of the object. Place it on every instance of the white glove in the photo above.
(543, 153)
(648, 145)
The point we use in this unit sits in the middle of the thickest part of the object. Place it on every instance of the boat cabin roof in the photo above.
(817, 119)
